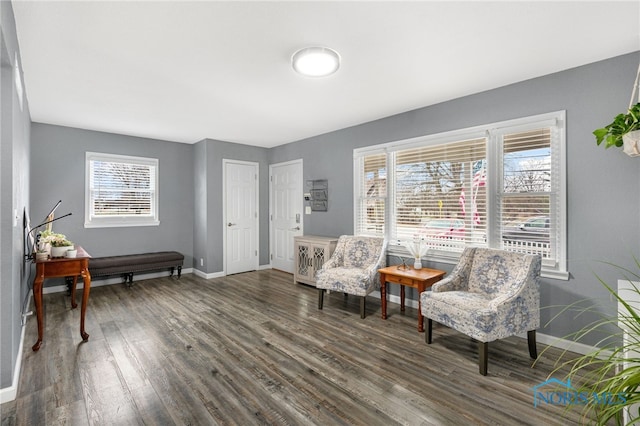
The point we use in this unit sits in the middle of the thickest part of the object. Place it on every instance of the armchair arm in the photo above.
(451, 283)
(337, 258)
(458, 280)
(333, 262)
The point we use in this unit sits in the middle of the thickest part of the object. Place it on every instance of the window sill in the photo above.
(120, 224)
(452, 259)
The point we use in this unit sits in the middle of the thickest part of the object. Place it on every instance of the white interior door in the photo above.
(286, 205)
(241, 216)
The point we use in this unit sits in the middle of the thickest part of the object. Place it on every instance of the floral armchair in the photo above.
(490, 294)
(353, 268)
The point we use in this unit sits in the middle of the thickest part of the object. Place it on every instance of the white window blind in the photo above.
(440, 194)
(121, 190)
(528, 199)
(371, 179)
(502, 185)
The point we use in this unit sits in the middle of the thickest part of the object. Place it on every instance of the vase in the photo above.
(60, 251)
(42, 256)
(631, 143)
(417, 264)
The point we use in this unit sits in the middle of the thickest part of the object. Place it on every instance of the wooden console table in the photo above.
(416, 278)
(62, 267)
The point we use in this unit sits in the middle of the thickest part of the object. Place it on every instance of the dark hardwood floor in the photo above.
(253, 349)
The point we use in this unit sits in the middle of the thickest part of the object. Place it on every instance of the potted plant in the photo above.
(59, 243)
(606, 381)
(42, 255)
(624, 132)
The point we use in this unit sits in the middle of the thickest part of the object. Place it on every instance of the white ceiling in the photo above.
(185, 71)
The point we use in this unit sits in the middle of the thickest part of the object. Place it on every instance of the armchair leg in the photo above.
(320, 297)
(531, 338)
(427, 335)
(483, 350)
(362, 306)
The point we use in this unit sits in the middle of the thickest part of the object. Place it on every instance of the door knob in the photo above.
(230, 224)
(297, 228)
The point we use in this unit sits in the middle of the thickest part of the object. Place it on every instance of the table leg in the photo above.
(383, 295)
(421, 288)
(85, 299)
(401, 298)
(37, 297)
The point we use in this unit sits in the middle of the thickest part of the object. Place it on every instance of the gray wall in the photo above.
(603, 195)
(14, 198)
(209, 227)
(58, 173)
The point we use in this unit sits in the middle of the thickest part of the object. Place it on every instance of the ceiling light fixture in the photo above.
(316, 61)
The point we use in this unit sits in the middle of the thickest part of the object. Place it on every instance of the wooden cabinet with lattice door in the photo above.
(310, 253)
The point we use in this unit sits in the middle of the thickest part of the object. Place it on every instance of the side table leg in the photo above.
(421, 288)
(383, 295)
(401, 298)
(37, 297)
(85, 299)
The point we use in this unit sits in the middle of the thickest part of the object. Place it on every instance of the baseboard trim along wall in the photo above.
(10, 393)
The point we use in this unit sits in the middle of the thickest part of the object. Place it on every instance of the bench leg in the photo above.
(130, 276)
(69, 282)
(179, 271)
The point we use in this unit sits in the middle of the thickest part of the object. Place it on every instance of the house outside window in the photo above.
(120, 191)
(501, 185)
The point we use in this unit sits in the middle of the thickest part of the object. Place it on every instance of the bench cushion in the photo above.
(112, 265)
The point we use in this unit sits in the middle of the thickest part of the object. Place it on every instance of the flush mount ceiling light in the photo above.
(316, 61)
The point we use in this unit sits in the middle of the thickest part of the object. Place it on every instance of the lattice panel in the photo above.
(303, 260)
(318, 258)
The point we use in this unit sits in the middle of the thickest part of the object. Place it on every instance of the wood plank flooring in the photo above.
(253, 349)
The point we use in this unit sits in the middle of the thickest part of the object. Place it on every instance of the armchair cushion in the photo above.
(354, 281)
(353, 266)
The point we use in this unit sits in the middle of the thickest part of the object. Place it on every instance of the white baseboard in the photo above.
(10, 393)
(206, 276)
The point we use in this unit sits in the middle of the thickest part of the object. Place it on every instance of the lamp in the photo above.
(316, 61)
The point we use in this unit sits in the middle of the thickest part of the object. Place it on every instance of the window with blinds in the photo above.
(501, 185)
(372, 195)
(439, 194)
(121, 190)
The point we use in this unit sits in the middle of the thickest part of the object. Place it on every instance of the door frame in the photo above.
(256, 165)
(271, 230)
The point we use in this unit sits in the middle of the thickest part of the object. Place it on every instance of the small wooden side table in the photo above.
(62, 267)
(416, 278)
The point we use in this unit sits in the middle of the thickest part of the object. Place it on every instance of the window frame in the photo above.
(121, 220)
(555, 267)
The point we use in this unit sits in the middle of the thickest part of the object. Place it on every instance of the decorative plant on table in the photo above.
(418, 248)
(606, 382)
(58, 242)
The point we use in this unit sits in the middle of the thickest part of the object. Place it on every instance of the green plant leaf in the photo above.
(600, 134)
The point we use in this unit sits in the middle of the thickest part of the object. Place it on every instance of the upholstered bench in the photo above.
(127, 265)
